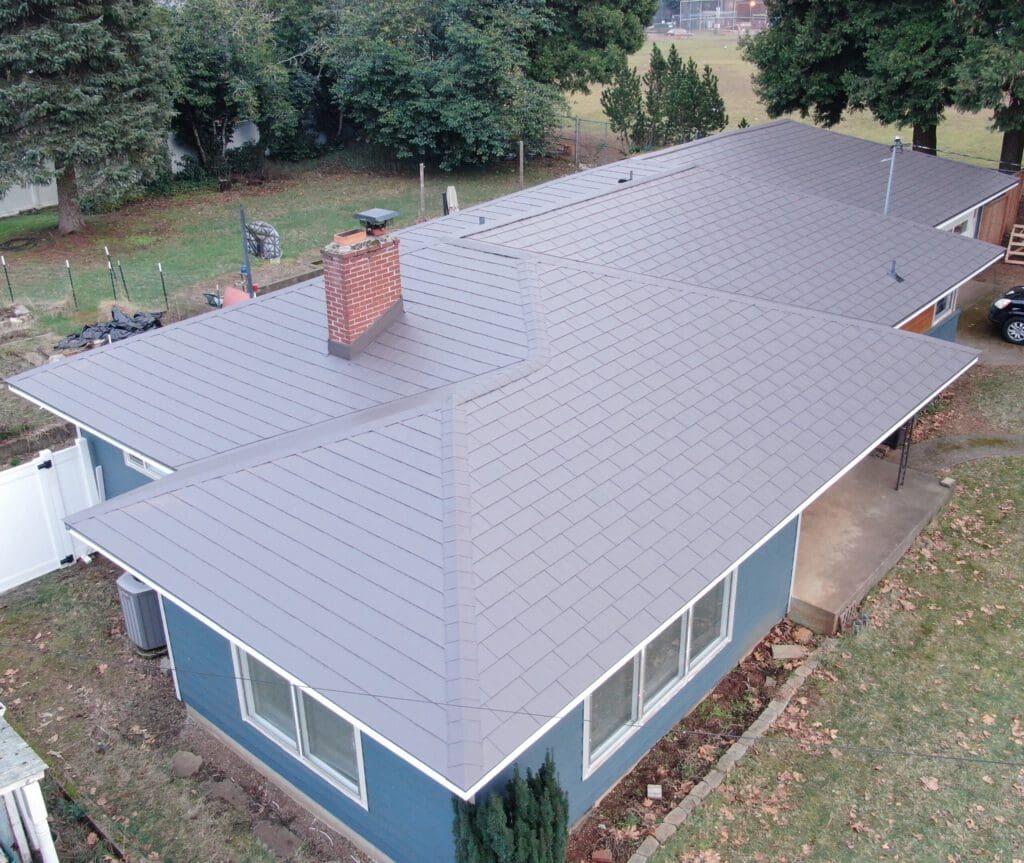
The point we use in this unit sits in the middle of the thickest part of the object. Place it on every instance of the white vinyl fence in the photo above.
(34, 498)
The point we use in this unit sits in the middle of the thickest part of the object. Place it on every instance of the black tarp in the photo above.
(119, 327)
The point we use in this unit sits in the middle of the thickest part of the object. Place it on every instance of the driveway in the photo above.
(975, 330)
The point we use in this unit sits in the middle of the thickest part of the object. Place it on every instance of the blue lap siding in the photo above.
(409, 816)
(762, 600)
(117, 476)
(948, 328)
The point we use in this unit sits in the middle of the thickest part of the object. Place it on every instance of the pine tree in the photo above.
(85, 95)
(622, 102)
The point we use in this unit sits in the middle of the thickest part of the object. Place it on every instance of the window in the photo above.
(665, 661)
(944, 306)
(309, 730)
(612, 707)
(640, 686)
(709, 622)
(137, 462)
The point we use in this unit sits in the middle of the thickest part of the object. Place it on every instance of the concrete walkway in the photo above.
(854, 534)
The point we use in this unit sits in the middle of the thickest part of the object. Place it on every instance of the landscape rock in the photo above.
(185, 764)
(784, 652)
(802, 635)
(947, 482)
(277, 838)
(229, 792)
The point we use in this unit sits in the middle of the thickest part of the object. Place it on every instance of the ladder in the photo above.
(1015, 248)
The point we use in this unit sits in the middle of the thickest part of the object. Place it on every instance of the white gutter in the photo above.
(955, 287)
(92, 431)
(959, 217)
(480, 784)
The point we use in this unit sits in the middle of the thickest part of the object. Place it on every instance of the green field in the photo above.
(959, 132)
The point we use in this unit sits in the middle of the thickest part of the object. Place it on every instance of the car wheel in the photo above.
(1013, 331)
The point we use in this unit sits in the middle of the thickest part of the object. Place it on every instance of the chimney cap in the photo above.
(378, 217)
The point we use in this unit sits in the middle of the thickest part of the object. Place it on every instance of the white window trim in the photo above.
(592, 761)
(142, 465)
(298, 749)
(938, 317)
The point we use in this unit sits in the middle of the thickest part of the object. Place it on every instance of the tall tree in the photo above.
(821, 57)
(84, 96)
(442, 81)
(991, 71)
(676, 102)
(585, 41)
(229, 67)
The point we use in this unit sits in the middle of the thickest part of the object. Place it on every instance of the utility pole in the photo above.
(897, 147)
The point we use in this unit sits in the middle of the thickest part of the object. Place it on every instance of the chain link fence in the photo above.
(585, 143)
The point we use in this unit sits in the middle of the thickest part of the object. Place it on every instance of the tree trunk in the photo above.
(925, 139)
(69, 213)
(1012, 151)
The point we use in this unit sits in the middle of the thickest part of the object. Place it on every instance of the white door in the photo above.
(34, 498)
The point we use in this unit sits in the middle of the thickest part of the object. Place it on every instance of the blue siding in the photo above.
(410, 815)
(947, 329)
(117, 476)
(762, 600)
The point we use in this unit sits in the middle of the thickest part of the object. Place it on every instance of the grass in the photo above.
(959, 132)
(997, 398)
(107, 723)
(195, 236)
(938, 670)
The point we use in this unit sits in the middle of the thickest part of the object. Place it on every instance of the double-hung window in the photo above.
(944, 306)
(309, 730)
(649, 678)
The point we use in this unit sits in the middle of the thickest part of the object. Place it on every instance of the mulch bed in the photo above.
(625, 816)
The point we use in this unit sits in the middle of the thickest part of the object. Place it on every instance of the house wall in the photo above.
(947, 328)
(409, 816)
(117, 476)
(762, 600)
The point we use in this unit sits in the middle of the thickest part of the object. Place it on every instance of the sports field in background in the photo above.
(963, 133)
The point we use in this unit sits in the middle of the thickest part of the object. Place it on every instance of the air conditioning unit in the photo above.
(140, 605)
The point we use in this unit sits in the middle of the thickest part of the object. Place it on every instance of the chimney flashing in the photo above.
(350, 351)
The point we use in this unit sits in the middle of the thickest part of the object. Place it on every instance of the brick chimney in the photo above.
(362, 282)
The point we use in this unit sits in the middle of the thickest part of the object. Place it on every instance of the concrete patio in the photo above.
(854, 534)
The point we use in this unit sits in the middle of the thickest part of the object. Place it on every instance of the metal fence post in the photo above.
(576, 148)
(7, 277)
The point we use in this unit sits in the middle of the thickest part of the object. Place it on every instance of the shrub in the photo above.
(530, 824)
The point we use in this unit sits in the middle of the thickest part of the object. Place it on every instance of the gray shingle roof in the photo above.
(755, 240)
(564, 435)
(221, 380)
(460, 549)
(848, 170)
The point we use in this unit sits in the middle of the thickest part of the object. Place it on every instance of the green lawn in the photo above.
(196, 235)
(963, 133)
(938, 670)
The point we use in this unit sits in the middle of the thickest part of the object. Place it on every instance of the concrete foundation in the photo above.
(854, 534)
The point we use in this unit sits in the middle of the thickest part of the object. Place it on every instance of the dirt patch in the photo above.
(107, 722)
(625, 816)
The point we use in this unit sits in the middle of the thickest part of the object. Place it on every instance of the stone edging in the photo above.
(758, 728)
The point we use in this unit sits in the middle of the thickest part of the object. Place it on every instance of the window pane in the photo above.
(330, 739)
(271, 697)
(662, 660)
(611, 706)
(708, 620)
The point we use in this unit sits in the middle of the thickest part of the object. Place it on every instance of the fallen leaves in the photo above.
(930, 783)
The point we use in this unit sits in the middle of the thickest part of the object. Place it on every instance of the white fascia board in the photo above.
(468, 793)
(291, 678)
(955, 287)
(80, 425)
(959, 217)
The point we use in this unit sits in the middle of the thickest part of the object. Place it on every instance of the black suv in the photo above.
(1007, 313)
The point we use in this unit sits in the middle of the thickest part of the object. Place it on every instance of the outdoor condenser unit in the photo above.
(141, 607)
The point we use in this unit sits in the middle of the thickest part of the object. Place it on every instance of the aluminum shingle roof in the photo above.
(466, 545)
